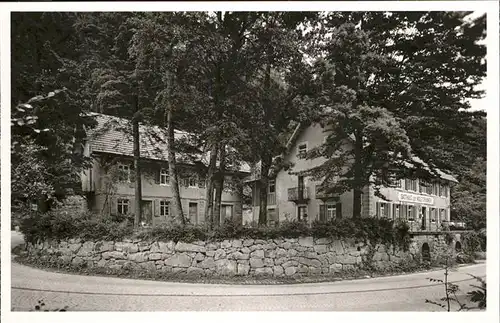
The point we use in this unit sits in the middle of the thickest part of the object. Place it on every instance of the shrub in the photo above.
(59, 225)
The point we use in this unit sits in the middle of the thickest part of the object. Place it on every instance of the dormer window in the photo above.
(124, 172)
(164, 177)
(302, 148)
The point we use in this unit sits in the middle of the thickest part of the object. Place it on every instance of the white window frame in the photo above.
(195, 178)
(120, 204)
(164, 174)
(124, 168)
(328, 208)
(301, 144)
(271, 182)
(165, 206)
(397, 211)
(410, 212)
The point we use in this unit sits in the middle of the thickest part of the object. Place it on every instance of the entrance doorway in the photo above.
(302, 213)
(193, 213)
(426, 252)
(147, 212)
(424, 218)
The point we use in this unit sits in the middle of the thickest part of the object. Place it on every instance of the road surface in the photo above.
(84, 293)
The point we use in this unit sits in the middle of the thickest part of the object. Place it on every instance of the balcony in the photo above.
(271, 198)
(298, 194)
(321, 195)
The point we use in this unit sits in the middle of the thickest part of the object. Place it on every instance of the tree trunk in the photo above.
(219, 186)
(264, 181)
(358, 177)
(137, 166)
(266, 158)
(172, 171)
(210, 185)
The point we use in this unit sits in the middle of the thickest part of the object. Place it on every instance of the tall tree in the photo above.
(283, 77)
(415, 71)
(116, 78)
(43, 46)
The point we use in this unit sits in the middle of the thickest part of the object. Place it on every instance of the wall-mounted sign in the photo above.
(414, 198)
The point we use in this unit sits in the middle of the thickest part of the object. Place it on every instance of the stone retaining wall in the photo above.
(277, 257)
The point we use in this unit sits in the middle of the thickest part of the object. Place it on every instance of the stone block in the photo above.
(178, 260)
(243, 269)
(256, 262)
(113, 255)
(278, 271)
(257, 254)
(220, 254)
(268, 262)
(248, 242)
(309, 262)
(236, 243)
(189, 247)
(306, 241)
(207, 263)
(264, 271)
(322, 248)
(138, 257)
(128, 247)
(226, 267)
(155, 256)
(102, 246)
(245, 250)
(225, 244)
(290, 271)
(335, 268)
(195, 271)
(337, 247)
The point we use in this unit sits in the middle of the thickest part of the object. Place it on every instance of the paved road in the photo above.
(398, 293)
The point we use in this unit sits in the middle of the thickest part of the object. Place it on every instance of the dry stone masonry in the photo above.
(277, 257)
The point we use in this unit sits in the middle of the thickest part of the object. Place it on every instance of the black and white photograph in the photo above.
(228, 159)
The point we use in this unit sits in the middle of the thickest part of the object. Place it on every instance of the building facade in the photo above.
(109, 183)
(425, 206)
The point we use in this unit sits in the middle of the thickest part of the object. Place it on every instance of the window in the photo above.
(397, 183)
(202, 182)
(123, 205)
(164, 177)
(435, 188)
(382, 209)
(331, 211)
(395, 212)
(444, 191)
(272, 186)
(410, 213)
(411, 185)
(124, 172)
(193, 181)
(433, 215)
(302, 148)
(164, 208)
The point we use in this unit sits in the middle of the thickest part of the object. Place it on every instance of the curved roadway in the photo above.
(87, 293)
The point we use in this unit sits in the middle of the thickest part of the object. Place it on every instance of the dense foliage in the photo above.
(59, 225)
(393, 84)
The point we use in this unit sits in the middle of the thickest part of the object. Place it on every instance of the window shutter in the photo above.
(377, 209)
(322, 213)
(113, 206)
(404, 212)
(157, 171)
(338, 209)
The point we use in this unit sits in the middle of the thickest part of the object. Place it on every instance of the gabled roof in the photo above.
(113, 135)
(300, 128)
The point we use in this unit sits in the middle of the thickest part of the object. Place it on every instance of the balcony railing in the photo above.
(271, 198)
(298, 194)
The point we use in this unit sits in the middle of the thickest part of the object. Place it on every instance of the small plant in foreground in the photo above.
(477, 296)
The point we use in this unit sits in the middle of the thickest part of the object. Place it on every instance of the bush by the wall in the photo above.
(58, 225)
